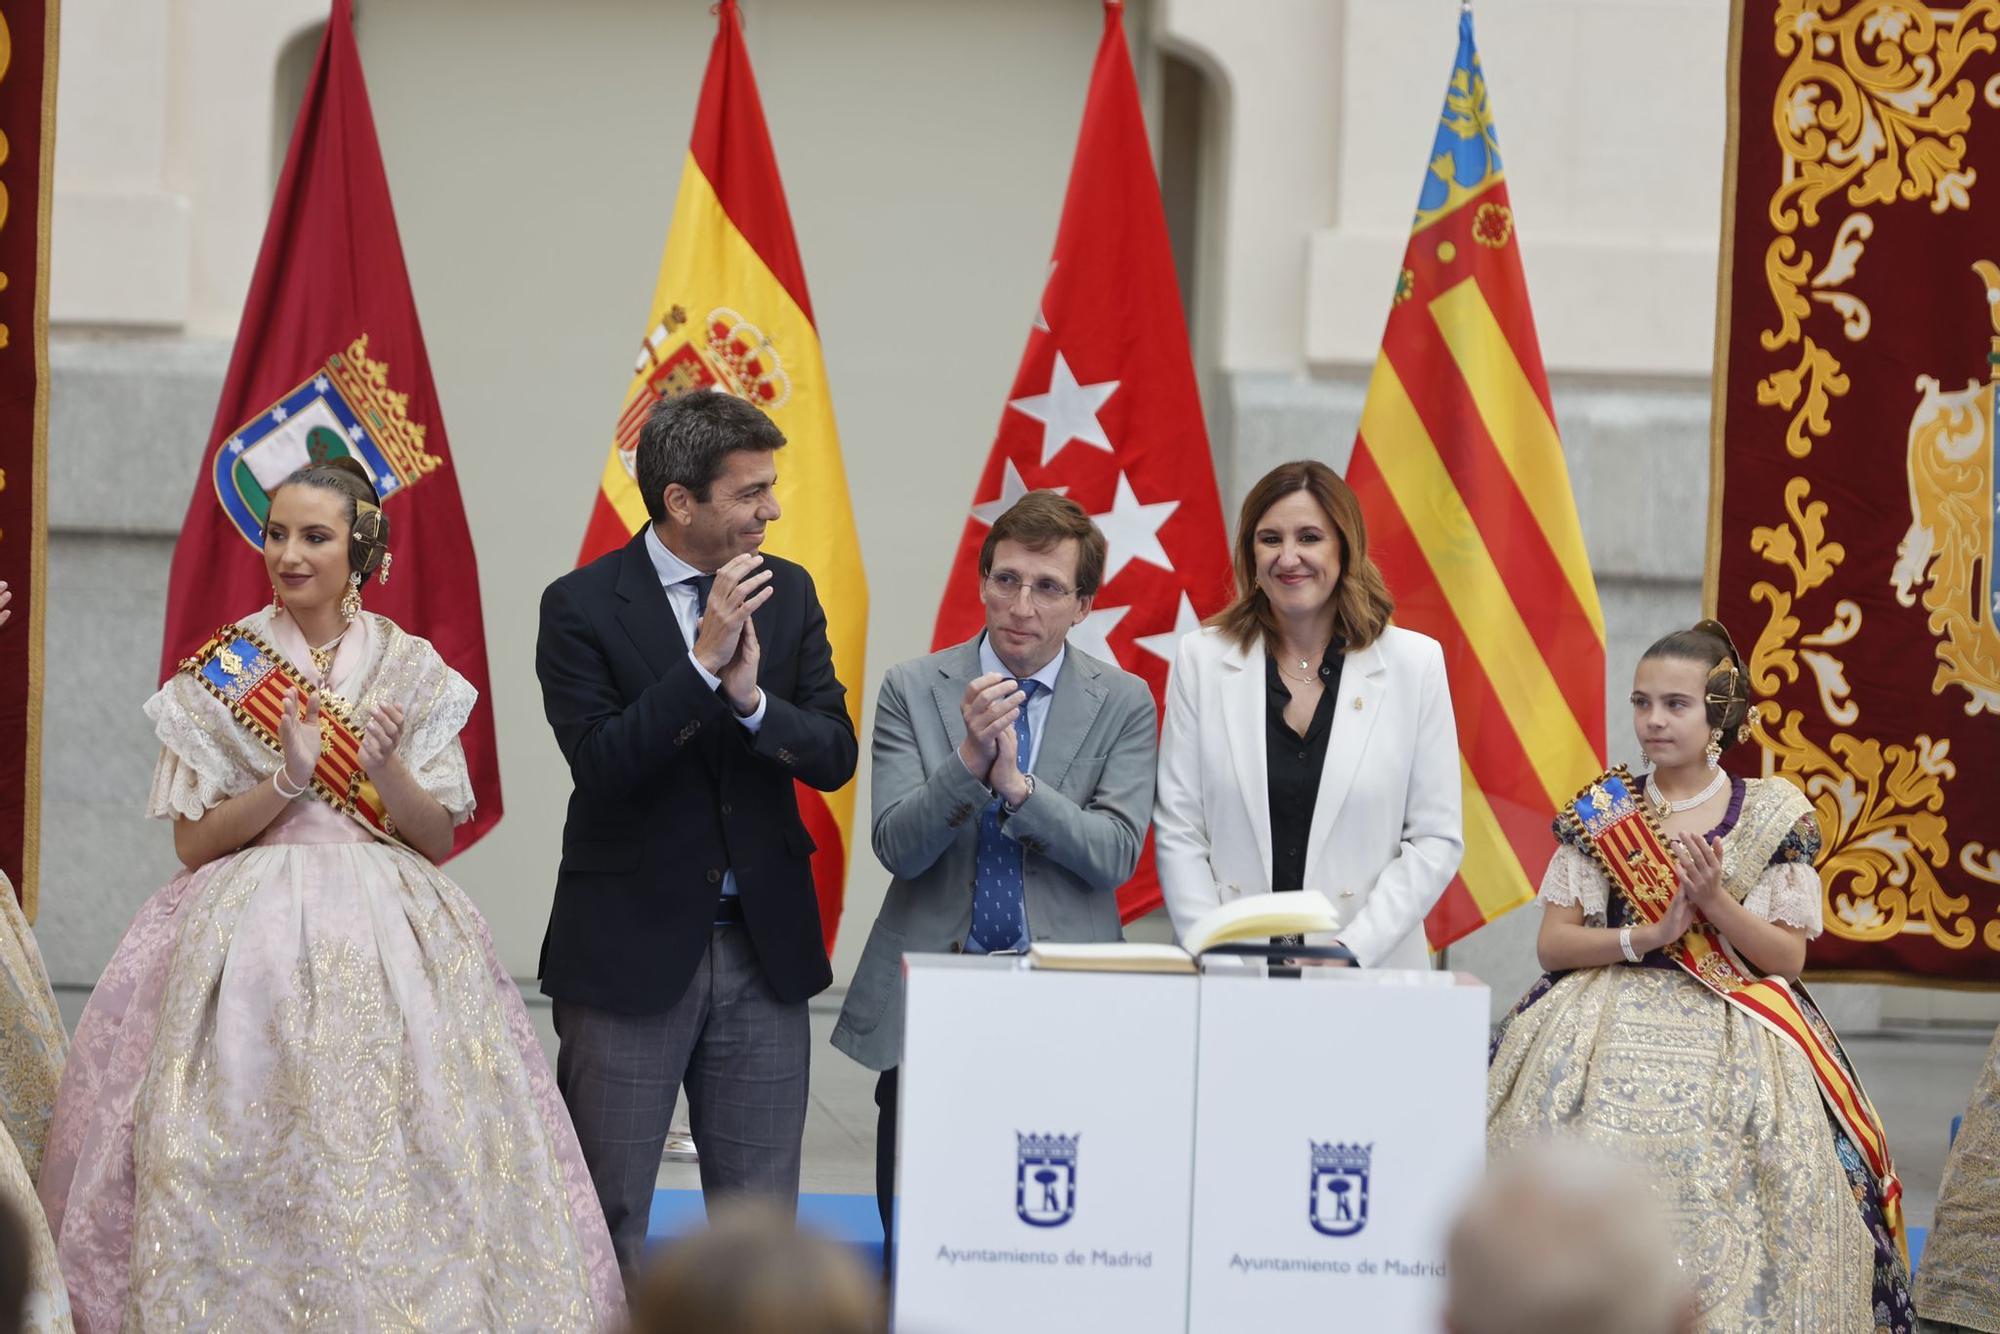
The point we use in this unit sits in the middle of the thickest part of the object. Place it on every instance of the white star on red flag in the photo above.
(1132, 531)
(1093, 633)
(1012, 488)
(1167, 644)
(1068, 411)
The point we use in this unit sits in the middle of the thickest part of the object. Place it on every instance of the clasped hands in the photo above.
(301, 740)
(991, 749)
(725, 643)
(1698, 889)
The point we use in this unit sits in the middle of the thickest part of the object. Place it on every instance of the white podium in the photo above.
(1044, 1121)
(1098, 1151)
(1341, 1119)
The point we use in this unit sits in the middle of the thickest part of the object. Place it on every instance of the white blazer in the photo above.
(1387, 832)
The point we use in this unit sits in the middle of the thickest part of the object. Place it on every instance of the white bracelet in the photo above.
(1625, 944)
(279, 787)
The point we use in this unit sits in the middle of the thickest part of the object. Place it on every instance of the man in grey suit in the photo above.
(1013, 783)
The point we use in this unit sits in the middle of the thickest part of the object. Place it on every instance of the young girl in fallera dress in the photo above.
(1779, 1222)
(305, 1092)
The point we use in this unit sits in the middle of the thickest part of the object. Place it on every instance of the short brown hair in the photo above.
(1039, 521)
(755, 1271)
(1361, 599)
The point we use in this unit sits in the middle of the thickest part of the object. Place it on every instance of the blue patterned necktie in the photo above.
(999, 913)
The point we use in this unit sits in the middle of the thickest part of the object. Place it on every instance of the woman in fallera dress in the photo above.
(32, 1046)
(305, 1092)
(1958, 1284)
(1645, 1040)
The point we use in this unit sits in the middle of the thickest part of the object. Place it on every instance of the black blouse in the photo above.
(1292, 766)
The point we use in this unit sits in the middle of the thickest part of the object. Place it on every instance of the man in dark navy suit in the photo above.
(689, 682)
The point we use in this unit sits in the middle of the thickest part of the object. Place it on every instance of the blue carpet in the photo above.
(850, 1219)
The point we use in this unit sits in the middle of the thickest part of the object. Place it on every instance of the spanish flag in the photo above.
(731, 314)
(1471, 518)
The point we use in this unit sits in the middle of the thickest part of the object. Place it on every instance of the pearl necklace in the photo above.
(1665, 807)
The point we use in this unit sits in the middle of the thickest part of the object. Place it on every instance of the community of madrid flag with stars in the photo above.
(730, 314)
(1104, 409)
(1470, 515)
(329, 361)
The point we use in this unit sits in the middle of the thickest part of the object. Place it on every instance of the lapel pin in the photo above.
(1357, 701)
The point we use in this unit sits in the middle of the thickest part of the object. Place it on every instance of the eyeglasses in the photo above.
(1004, 586)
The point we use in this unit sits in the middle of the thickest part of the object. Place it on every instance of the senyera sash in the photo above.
(250, 677)
(1621, 833)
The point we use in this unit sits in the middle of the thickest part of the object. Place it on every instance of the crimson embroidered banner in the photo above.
(27, 144)
(1853, 503)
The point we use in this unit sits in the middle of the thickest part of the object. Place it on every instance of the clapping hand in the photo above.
(6, 596)
(991, 704)
(740, 588)
(1006, 778)
(378, 739)
(299, 737)
(1700, 872)
(739, 674)
(1670, 928)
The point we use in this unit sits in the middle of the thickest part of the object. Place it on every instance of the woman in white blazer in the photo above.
(1308, 743)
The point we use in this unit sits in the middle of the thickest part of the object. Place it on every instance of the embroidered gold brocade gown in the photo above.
(32, 1049)
(305, 1093)
(1958, 1280)
(1777, 1223)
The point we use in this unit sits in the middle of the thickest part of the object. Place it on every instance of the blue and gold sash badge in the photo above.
(346, 409)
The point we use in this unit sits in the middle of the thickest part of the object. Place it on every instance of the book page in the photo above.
(1111, 957)
(1260, 916)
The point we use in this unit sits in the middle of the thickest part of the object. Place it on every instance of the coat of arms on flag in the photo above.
(346, 410)
(725, 351)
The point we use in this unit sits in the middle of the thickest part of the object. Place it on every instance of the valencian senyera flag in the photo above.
(330, 361)
(1855, 499)
(1104, 408)
(730, 314)
(1470, 515)
(27, 160)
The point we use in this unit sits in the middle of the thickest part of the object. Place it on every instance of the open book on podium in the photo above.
(1254, 918)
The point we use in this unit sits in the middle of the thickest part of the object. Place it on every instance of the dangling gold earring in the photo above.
(350, 601)
(1751, 717)
(1714, 748)
(383, 577)
(277, 603)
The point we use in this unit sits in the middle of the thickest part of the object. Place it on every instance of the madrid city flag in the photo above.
(1471, 518)
(730, 314)
(1104, 408)
(329, 361)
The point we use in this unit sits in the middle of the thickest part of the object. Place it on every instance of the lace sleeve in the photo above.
(205, 756)
(436, 702)
(445, 777)
(1572, 880)
(1788, 892)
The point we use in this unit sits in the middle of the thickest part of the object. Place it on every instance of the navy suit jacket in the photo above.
(671, 790)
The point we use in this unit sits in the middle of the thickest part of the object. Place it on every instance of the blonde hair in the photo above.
(1561, 1240)
(1362, 604)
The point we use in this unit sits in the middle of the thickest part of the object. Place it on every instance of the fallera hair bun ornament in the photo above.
(1728, 691)
(368, 544)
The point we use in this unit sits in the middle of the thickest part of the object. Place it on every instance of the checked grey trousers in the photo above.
(743, 1056)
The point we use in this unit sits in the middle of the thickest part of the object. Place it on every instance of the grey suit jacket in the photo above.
(1080, 832)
